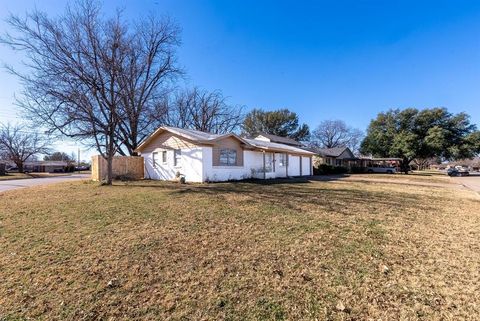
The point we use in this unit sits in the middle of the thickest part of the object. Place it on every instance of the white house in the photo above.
(204, 157)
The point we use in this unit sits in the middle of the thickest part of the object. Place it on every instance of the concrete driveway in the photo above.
(472, 182)
(8, 185)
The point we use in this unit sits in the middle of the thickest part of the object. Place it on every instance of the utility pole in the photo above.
(78, 161)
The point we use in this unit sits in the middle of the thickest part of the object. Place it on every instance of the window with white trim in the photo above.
(164, 157)
(177, 157)
(155, 159)
(228, 157)
(268, 162)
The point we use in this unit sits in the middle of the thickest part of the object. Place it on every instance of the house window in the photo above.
(268, 162)
(282, 159)
(228, 157)
(338, 162)
(155, 159)
(177, 157)
(164, 157)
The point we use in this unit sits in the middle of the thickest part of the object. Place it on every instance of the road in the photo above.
(472, 181)
(8, 185)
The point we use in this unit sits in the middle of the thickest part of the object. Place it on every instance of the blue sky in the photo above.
(322, 59)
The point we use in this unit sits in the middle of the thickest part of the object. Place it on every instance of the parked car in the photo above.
(11, 169)
(457, 172)
(381, 169)
(82, 168)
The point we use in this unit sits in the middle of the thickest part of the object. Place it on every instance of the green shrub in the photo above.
(325, 169)
(357, 169)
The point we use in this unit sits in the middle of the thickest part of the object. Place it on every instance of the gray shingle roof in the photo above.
(192, 134)
(333, 152)
(280, 139)
(261, 144)
(203, 137)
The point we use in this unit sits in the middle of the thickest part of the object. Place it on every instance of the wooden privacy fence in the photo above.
(124, 167)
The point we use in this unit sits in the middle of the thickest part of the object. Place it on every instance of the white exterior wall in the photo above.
(293, 165)
(196, 165)
(305, 166)
(190, 165)
(251, 160)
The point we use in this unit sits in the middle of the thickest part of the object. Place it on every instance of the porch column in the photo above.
(286, 164)
(264, 167)
(273, 156)
(301, 171)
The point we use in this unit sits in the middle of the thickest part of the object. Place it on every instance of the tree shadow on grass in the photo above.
(297, 194)
(298, 197)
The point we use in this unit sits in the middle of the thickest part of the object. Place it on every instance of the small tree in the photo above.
(280, 122)
(18, 144)
(421, 134)
(205, 111)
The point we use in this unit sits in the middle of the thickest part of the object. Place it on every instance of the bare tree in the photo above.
(146, 78)
(205, 111)
(18, 144)
(335, 133)
(355, 140)
(91, 78)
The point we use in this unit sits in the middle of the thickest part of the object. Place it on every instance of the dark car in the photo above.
(457, 172)
(11, 169)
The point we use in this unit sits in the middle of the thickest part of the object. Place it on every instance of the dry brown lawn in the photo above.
(340, 250)
(10, 176)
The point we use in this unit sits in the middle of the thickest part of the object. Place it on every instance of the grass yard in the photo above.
(10, 176)
(339, 250)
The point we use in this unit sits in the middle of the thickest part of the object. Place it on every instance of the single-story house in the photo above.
(45, 166)
(204, 157)
(336, 156)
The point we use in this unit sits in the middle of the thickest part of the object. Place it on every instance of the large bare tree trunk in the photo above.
(110, 153)
(20, 166)
(109, 169)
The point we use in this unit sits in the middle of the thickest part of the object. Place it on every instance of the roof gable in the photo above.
(334, 152)
(191, 135)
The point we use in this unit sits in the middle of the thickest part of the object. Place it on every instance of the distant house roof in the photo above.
(46, 163)
(332, 152)
(208, 138)
(278, 139)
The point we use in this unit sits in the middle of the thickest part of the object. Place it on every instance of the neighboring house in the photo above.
(204, 157)
(337, 156)
(472, 164)
(278, 139)
(45, 166)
